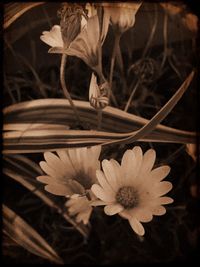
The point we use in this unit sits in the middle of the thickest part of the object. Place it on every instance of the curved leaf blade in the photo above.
(22, 233)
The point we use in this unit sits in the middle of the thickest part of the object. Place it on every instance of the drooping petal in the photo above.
(76, 187)
(58, 189)
(113, 209)
(53, 37)
(137, 226)
(142, 214)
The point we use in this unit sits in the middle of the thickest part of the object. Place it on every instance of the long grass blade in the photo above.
(117, 126)
(22, 233)
(24, 171)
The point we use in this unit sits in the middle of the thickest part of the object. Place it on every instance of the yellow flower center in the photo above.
(127, 196)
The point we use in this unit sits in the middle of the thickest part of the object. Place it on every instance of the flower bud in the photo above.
(72, 20)
(98, 95)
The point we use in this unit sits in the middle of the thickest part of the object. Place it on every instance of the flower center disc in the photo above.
(127, 196)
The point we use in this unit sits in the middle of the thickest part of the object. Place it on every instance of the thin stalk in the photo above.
(99, 119)
(165, 39)
(131, 96)
(64, 87)
(152, 33)
(112, 64)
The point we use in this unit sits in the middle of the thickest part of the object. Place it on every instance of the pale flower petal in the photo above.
(137, 226)
(148, 161)
(113, 209)
(160, 173)
(58, 189)
(53, 37)
(101, 194)
(158, 210)
(46, 179)
(110, 173)
(103, 182)
(162, 188)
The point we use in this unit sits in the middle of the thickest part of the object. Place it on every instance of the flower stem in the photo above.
(165, 39)
(112, 64)
(64, 87)
(99, 119)
(131, 96)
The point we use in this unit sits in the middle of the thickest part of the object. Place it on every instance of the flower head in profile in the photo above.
(71, 173)
(85, 45)
(133, 190)
(72, 20)
(122, 15)
(98, 95)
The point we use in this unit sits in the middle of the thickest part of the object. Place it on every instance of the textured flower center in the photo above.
(127, 196)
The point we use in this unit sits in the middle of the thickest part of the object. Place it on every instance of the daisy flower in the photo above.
(133, 190)
(71, 173)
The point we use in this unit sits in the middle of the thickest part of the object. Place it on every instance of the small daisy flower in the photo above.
(71, 174)
(80, 206)
(133, 190)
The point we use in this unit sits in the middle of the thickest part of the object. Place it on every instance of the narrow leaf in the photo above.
(22, 233)
(19, 170)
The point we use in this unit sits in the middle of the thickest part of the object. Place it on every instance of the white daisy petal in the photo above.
(160, 173)
(113, 209)
(165, 200)
(101, 194)
(55, 163)
(96, 150)
(148, 161)
(64, 157)
(162, 188)
(58, 190)
(117, 172)
(137, 226)
(158, 210)
(142, 215)
(110, 172)
(129, 166)
(103, 182)
(139, 156)
(45, 179)
(45, 167)
(126, 214)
